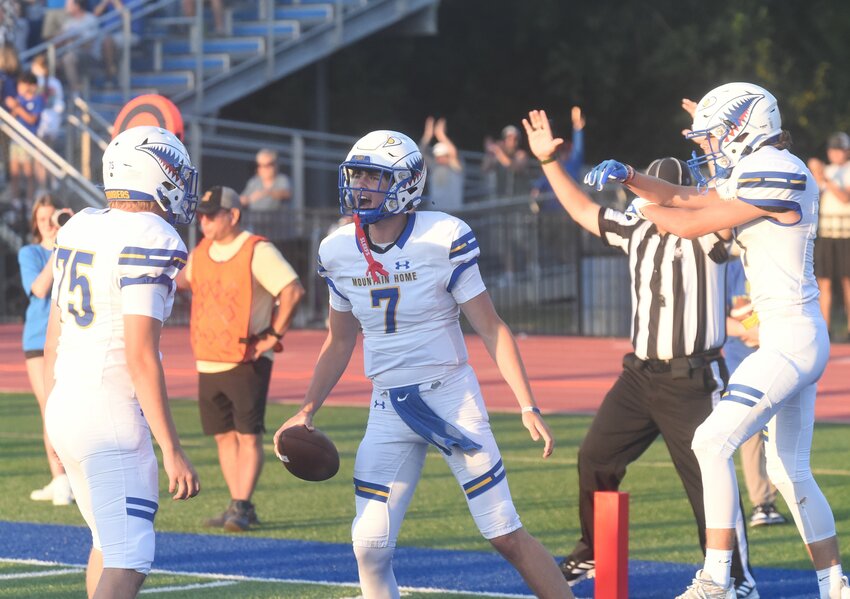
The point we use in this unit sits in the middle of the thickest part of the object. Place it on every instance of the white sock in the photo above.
(718, 563)
(829, 578)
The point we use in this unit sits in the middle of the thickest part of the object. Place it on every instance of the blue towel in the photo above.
(424, 422)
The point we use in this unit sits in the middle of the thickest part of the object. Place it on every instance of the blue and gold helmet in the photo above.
(396, 168)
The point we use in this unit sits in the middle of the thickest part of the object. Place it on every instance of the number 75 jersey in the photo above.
(409, 318)
(107, 264)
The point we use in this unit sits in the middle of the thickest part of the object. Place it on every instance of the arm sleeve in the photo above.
(573, 165)
(777, 190)
(270, 268)
(465, 280)
(146, 275)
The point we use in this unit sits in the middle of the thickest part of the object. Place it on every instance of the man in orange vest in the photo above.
(244, 295)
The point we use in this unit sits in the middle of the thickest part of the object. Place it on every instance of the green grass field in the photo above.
(661, 523)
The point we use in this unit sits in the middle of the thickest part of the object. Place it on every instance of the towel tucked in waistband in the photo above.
(424, 422)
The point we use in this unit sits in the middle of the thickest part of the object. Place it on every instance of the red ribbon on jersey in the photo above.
(375, 268)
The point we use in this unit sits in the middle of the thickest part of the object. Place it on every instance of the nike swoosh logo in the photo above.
(404, 397)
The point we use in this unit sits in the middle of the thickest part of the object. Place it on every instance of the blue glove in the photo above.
(608, 170)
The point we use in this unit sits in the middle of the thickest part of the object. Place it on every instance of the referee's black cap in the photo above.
(671, 170)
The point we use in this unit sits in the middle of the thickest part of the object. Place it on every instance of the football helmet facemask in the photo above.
(147, 163)
(382, 162)
(735, 119)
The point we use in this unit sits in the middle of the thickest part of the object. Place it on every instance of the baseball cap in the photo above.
(218, 198)
(671, 170)
(510, 130)
(839, 140)
(440, 149)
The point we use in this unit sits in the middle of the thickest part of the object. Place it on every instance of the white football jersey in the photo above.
(108, 263)
(778, 259)
(409, 319)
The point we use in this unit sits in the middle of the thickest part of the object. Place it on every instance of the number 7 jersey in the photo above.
(107, 264)
(411, 331)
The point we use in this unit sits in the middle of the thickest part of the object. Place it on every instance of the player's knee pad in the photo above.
(375, 568)
(371, 526)
(375, 559)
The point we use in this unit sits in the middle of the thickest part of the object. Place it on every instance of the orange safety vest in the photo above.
(221, 303)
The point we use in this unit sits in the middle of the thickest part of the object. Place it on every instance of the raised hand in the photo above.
(577, 118)
(428, 134)
(608, 170)
(539, 135)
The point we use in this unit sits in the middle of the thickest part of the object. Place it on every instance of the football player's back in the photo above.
(103, 261)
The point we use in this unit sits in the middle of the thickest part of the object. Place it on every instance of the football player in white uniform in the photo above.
(771, 199)
(402, 276)
(113, 272)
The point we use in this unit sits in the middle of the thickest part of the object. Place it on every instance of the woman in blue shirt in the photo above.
(37, 279)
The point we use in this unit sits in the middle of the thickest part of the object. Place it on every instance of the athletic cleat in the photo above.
(703, 587)
(575, 571)
(62, 494)
(43, 494)
(842, 591)
(58, 491)
(241, 518)
(746, 590)
(765, 515)
(219, 521)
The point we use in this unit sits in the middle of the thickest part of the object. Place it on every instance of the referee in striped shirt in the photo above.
(676, 373)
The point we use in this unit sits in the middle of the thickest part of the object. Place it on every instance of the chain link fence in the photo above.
(546, 275)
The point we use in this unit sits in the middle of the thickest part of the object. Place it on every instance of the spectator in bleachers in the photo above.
(571, 157)
(269, 189)
(217, 12)
(445, 170)
(14, 28)
(832, 246)
(10, 68)
(54, 18)
(26, 107)
(37, 279)
(50, 127)
(507, 163)
(113, 42)
(80, 24)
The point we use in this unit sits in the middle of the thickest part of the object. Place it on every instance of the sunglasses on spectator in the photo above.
(265, 164)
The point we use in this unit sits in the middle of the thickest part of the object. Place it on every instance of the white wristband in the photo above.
(534, 409)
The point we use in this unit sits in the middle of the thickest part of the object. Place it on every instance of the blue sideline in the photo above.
(255, 556)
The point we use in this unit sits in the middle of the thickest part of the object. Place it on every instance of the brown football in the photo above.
(309, 455)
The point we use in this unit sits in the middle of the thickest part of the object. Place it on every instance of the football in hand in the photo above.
(309, 455)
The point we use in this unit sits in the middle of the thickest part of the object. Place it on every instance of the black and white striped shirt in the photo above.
(678, 287)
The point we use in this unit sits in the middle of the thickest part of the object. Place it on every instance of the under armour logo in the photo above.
(403, 397)
(381, 404)
(402, 265)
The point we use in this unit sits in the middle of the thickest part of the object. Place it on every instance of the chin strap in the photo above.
(375, 268)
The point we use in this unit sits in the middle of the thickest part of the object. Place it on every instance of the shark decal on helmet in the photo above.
(168, 157)
(738, 113)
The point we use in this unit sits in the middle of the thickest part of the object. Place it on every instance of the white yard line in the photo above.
(40, 573)
(189, 587)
